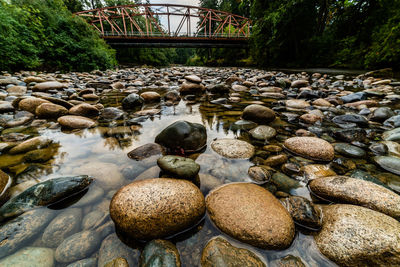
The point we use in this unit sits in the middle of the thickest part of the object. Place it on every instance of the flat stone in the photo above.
(219, 252)
(299, 83)
(311, 148)
(191, 88)
(303, 212)
(146, 151)
(193, 78)
(30, 257)
(345, 189)
(349, 150)
(46, 86)
(391, 164)
(263, 132)
(357, 236)
(179, 167)
(297, 104)
(50, 111)
(76, 122)
(150, 97)
(251, 214)
(30, 144)
(85, 110)
(6, 107)
(233, 148)
(156, 208)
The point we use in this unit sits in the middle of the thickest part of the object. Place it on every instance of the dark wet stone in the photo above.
(354, 97)
(44, 193)
(382, 113)
(243, 125)
(350, 135)
(342, 165)
(391, 164)
(172, 96)
(20, 231)
(90, 262)
(283, 182)
(349, 150)
(113, 248)
(6, 107)
(94, 219)
(146, 151)
(303, 212)
(359, 174)
(183, 135)
(379, 149)
(289, 261)
(160, 253)
(392, 135)
(179, 167)
(392, 122)
(111, 113)
(78, 246)
(41, 155)
(132, 101)
(350, 121)
(219, 252)
(260, 174)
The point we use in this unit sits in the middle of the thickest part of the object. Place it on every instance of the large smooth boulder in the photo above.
(183, 135)
(156, 208)
(357, 236)
(311, 148)
(258, 114)
(251, 214)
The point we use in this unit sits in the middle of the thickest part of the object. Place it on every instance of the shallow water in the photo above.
(79, 148)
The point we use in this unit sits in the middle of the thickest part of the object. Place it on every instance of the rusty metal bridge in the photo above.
(168, 25)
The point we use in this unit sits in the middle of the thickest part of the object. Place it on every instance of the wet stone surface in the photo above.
(265, 149)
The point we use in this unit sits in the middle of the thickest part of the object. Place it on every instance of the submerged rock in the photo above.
(391, 164)
(30, 257)
(43, 194)
(303, 212)
(132, 101)
(160, 253)
(179, 167)
(146, 151)
(113, 248)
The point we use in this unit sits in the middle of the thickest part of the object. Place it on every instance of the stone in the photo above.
(30, 144)
(5, 183)
(111, 113)
(276, 160)
(18, 232)
(146, 151)
(208, 182)
(354, 97)
(391, 164)
(219, 252)
(107, 175)
(132, 101)
(50, 111)
(345, 189)
(233, 148)
(160, 253)
(350, 121)
(33, 79)
(90, 262)
(239, 88)
(179, 167)
(322, 103)
(31, 103)
(85, 110)
(260, 174)
(76, 122)
(297, 104)
(191, 88)
(392, 135)
(65, 224)
(149, 97)
(78, 246)
(30, 257)
(193, 78)
(183, 135)
(299, 83)
(43, 194)
(156, 208)
(303, 212)
(357, 236)
(349, 150)
(263, 132)
(251, 214)
(310, 147)
(313, 171)
(6, 107)
(93, 219)
(112, 248)
(258, 114)
(46, 86)
(381, 114)
(289, 261)
(392, 122)
(118, 262)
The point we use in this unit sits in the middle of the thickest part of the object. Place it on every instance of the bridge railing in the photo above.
(172, 34)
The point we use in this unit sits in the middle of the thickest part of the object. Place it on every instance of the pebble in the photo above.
(160, 253)
(258, 114)
(233, 148)
(311, 148)
(263, 132)
(179, 167)
(76, 122)
(30, 257)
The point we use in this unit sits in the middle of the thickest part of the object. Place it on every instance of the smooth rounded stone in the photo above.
(90, 262)
(76, 122)
(284, 183)
(299, 83)
(179, 167)
(251, 214)
(112, 248)
(208, 182)
(349, 150)
(50, 111)
(5, 183)
(289, 261)
(17, 90)
(276, 160)
(93, 219)
(65, 224)
(350, 121)
(391, 164)
(258, 114)
(322, 103)
(146, 151)
(193, 78)
(392, 135)
(160, 253)
(313, 171)
(239, 88)
(357, 236)
(303, 212)
(183, 135)
(263, 132)
(310, 147)
(149, 97)
(354, 97)
(18, 232)
(30, 144)
(233, 148)
(132, 101)
(243, 125)
(392, 122)
(46, 86)
(31, 103)
(85, 110)
(33, 79)
(297, 104)
(393, 148)
(219, 252)
(118, 262)
(43, 194)
(350, 134)
(345, 189)
(78, 246)
(191, 88)
(156, 208)
(111, 113)
(30, 257)
(260, 174)
(6, 107)
(107, 175)
(381, 114)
